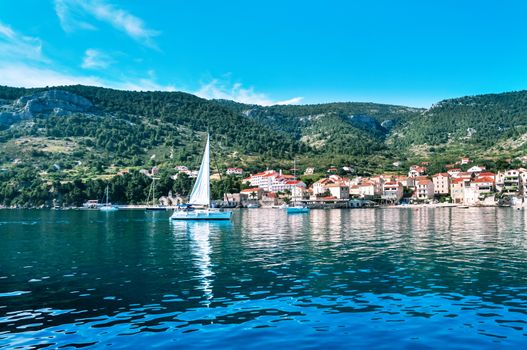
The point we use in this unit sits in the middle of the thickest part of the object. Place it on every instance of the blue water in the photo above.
(372, 278)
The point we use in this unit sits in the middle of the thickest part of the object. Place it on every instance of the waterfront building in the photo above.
(320, 187)
(392, 192)
(508, 182)
(424, 189)
(271, 181)
(483, 185)
(251, 194)
(441, 183)
(339, 190)
(457, 190)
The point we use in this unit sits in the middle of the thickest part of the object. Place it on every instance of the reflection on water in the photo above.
(198, 234)
(371, 278)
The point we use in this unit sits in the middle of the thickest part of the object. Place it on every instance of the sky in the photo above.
(266, 52)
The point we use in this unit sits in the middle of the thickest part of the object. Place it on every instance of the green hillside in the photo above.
(82, 136)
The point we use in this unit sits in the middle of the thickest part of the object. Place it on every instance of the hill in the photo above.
(76, 134)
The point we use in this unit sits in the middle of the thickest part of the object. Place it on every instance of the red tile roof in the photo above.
(293, 182)
(487, 174)
(483, 179)
(250, 190)
(458, 180)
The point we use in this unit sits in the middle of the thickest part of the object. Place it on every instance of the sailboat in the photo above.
(297, 208)
(108, 206)
(152, 191)
(198, 207)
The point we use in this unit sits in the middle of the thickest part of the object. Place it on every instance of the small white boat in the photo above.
(154, 206)
(200, 196)
(253, 205)
(297, 209)
(108, 206)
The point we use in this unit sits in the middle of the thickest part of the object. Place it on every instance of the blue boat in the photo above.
(297, 209)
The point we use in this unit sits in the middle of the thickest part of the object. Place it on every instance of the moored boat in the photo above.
(297, 209)
(108, 206)
(198, 207)
(152, 193)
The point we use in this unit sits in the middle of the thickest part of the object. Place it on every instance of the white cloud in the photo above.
(73, 14)
(218, 90)
(14, 45)
(24, 75)
(96, 59)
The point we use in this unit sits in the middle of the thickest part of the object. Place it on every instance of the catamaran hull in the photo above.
(221, 215)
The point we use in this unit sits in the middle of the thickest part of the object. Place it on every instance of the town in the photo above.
(474, 186)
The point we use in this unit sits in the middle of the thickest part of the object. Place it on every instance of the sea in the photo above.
(420, 278)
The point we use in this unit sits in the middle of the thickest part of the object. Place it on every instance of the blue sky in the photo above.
(402, 52)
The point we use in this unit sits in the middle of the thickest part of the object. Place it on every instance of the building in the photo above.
(309, 171)
(320, 187)
(453, 172)
(441, 183)
(416, 170)
(508, 182)
(392, 191)
(354, 191)
(476, 169)
(464, 160)
(488, 174)
(457, 190)
(234, 171)
(483, 185)
(181, 168)
(463, 175)
(339, 190)
(251, 194)
(271, 181)
(299, 193)
(424, 190)
(403, 179)
(367, 189)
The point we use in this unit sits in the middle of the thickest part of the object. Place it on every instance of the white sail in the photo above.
(201, 192)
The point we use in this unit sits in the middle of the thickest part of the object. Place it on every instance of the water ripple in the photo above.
(441, 278)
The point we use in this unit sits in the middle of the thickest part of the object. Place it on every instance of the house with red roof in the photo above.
(416, 170)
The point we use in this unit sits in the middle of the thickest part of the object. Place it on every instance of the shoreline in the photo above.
(405, 206)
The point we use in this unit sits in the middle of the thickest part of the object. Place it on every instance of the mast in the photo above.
(153, 190)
